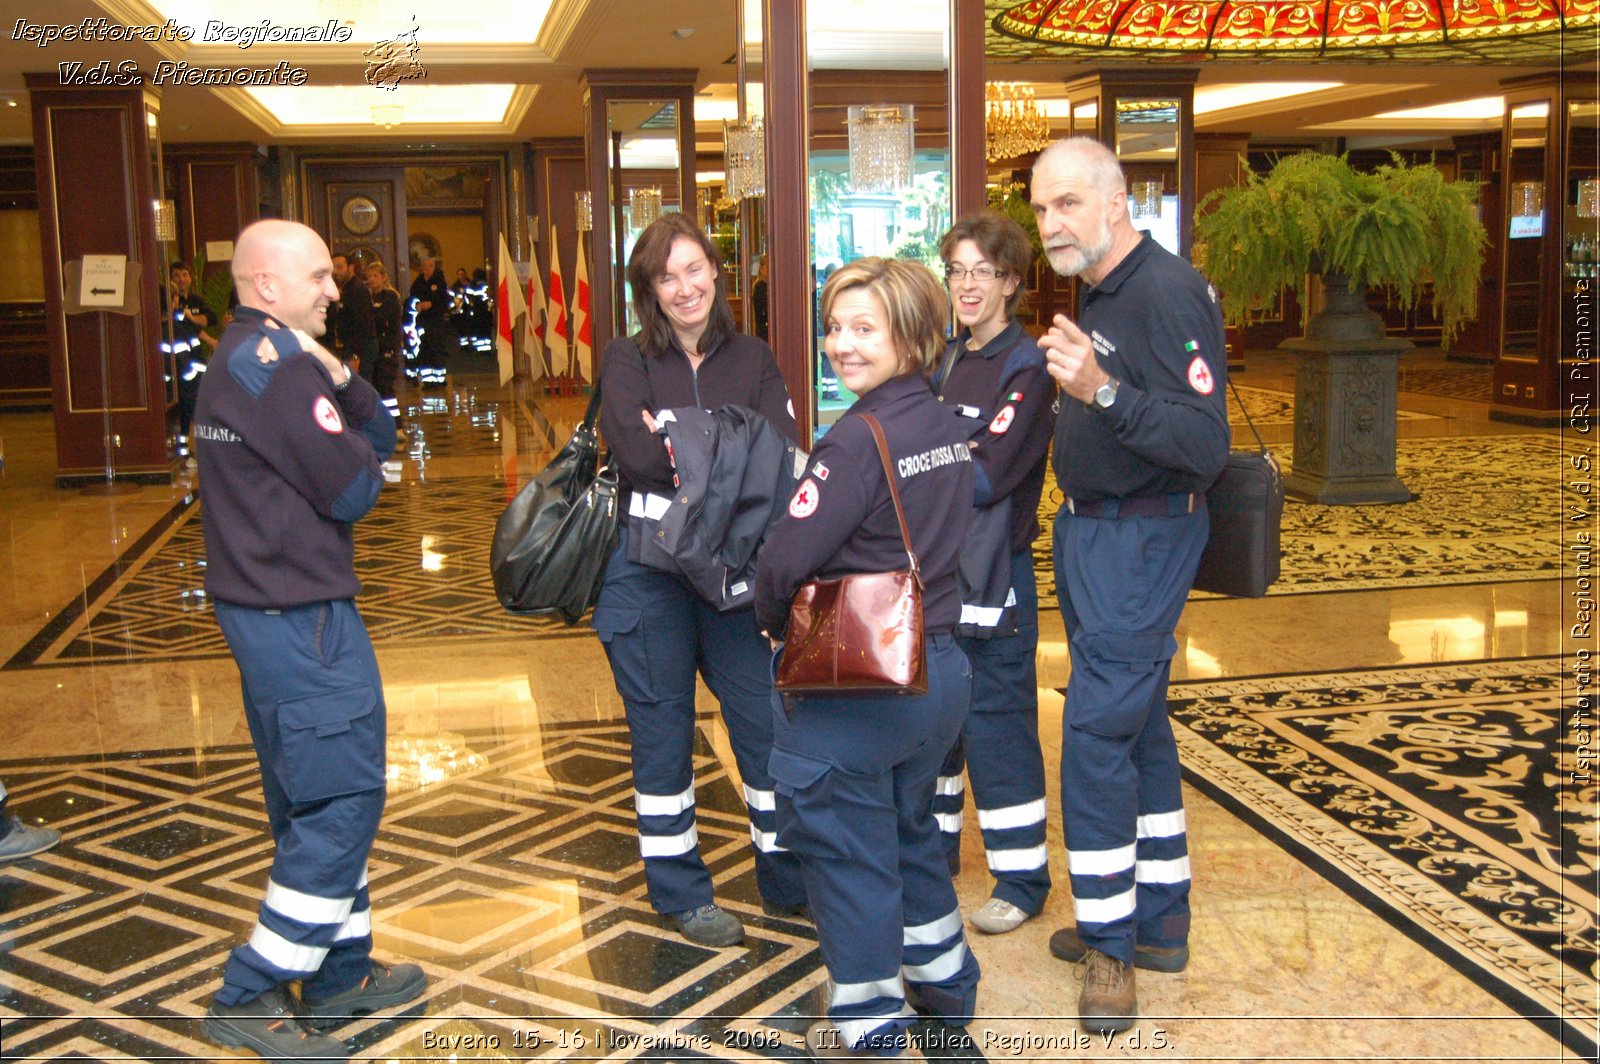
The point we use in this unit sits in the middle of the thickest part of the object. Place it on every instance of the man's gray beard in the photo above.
(1087, 257)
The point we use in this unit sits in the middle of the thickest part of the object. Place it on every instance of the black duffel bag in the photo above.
(553, 540)
(1246, 506)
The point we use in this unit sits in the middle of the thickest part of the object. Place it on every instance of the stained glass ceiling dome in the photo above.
(1423, 30)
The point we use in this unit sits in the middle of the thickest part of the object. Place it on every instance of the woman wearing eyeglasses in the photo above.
(994, 375)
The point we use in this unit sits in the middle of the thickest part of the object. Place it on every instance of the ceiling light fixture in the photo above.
(1013, 124)
(882, 147)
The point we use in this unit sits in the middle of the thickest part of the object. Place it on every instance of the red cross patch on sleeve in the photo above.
(1200, 378)
(1002, 420)
(327, 416)
(804, 503)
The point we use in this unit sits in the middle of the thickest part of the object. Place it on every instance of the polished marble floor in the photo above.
(507, 867)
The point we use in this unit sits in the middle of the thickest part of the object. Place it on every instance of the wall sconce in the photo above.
(882, 147)
(1589, 198)
(1527, 199)
(583, 209)
(166, 221)
(744, 158)
(644, 206)
(1146, 199)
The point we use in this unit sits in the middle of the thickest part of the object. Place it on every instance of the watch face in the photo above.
(359, 214)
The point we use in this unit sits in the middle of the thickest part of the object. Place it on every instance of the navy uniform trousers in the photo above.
(999, 747)
(657, 634)
(314, 703)
(1123, 584)
(855, 779)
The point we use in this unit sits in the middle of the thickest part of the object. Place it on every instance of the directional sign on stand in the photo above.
(103, 280)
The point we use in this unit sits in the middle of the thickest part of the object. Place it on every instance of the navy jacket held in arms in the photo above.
(733, 475)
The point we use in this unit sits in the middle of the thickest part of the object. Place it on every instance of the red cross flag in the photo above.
(508, 303)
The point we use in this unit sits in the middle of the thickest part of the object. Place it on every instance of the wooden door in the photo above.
(360, 211)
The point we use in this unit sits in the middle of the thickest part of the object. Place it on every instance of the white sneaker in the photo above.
(997, 916)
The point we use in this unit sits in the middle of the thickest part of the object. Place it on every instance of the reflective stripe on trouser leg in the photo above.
(646, 622)
(949, 796)
(1162, 866)
(736, 661)
(1004, 760)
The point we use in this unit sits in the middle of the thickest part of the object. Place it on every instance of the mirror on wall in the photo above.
(644, 168)
(1147, 146)
(1526, 223)
(879, 153)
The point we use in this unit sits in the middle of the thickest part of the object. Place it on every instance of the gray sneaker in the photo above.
(269, 1027)
(25, 841)
(709, 925)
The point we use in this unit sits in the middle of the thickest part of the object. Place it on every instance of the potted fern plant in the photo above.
(1313, 214)
(1399, 225)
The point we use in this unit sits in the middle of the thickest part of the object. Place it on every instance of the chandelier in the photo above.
(744, 158)
(644, 206)
(882, 147)
(1013, 123)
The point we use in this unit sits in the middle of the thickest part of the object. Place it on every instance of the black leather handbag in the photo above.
(1246, 506)
(553, 540)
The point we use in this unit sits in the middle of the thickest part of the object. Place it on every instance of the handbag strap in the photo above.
(592, 414)
(1234, 388)
(894, 493)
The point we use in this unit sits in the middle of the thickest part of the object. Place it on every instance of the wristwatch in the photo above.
(1106, 394)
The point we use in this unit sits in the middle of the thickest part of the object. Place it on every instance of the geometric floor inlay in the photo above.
(524, 901)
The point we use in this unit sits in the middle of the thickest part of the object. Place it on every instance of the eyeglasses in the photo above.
(981, 274)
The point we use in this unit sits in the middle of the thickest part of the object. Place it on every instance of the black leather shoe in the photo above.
(384, 985)
(268, 1026)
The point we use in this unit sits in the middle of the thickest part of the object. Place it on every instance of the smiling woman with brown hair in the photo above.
(657, 629)
(855, 773)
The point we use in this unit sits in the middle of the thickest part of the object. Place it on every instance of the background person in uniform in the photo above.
(656, 629)
(855, 775)
(290, 451)
(354, 333)
(386, 318)
(18, 839)
(190, 318)
(1141, 434)
(993, 375)
(433, 302)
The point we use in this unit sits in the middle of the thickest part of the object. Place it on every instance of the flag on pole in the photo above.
(508, 303)
(533, 331)
(559, 331)
(583, 347)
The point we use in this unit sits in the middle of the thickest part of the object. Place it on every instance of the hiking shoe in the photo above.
(268, 1026)
(383, 985)
(1107, 1002)
(997, 916)
(24, 840)
(709, 925)
(824, 1041)
(1069, 947)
